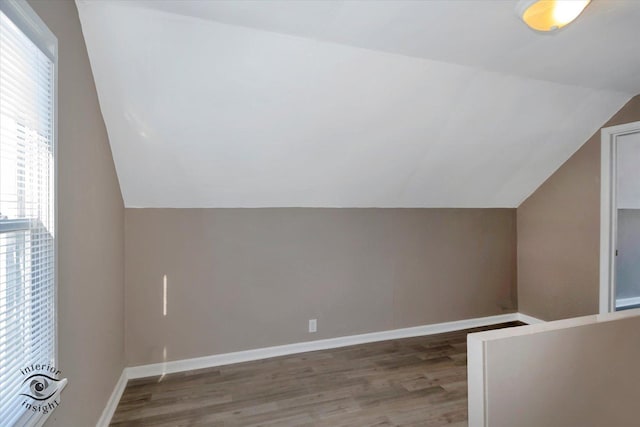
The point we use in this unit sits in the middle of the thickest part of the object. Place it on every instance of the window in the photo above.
(27, 208)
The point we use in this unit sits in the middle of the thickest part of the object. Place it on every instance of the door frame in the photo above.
(608, 214)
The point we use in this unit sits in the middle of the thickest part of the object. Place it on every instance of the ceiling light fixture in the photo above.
(550, 15)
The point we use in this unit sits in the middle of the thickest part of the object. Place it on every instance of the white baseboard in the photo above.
(284, 350)
(626, 302)
(529, 320)
(114, 399)
(158, 369)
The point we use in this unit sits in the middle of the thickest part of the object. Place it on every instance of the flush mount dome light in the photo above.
(550, 15)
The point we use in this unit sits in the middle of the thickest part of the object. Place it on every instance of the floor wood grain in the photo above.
(409, 382)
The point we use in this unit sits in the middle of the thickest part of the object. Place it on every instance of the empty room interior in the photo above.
(319, 213)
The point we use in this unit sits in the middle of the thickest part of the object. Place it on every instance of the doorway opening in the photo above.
(620, 218)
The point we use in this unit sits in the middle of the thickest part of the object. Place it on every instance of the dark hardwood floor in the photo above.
(409, 382)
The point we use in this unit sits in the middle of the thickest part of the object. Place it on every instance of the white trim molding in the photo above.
(30, 23)
(608, 217)
(529, 320)
(114, 399)
(158, 369)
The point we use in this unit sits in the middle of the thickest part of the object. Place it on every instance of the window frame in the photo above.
(28, 21)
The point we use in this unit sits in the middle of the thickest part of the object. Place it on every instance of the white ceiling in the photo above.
(350, 103)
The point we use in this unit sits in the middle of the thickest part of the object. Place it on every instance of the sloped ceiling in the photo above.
(350, 103)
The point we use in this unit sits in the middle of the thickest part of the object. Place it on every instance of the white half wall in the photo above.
(575, 372)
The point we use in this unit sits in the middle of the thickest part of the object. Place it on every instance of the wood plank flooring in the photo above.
(409, 382)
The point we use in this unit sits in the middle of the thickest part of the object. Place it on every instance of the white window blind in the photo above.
(27, 259)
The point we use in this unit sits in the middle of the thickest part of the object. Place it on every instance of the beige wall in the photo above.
(576, 372)
(559, 234)
(249, 278)
(91, 230)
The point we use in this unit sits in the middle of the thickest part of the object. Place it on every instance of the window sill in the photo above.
(37, 419)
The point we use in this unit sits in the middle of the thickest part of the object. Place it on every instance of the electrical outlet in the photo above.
(313, 325)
